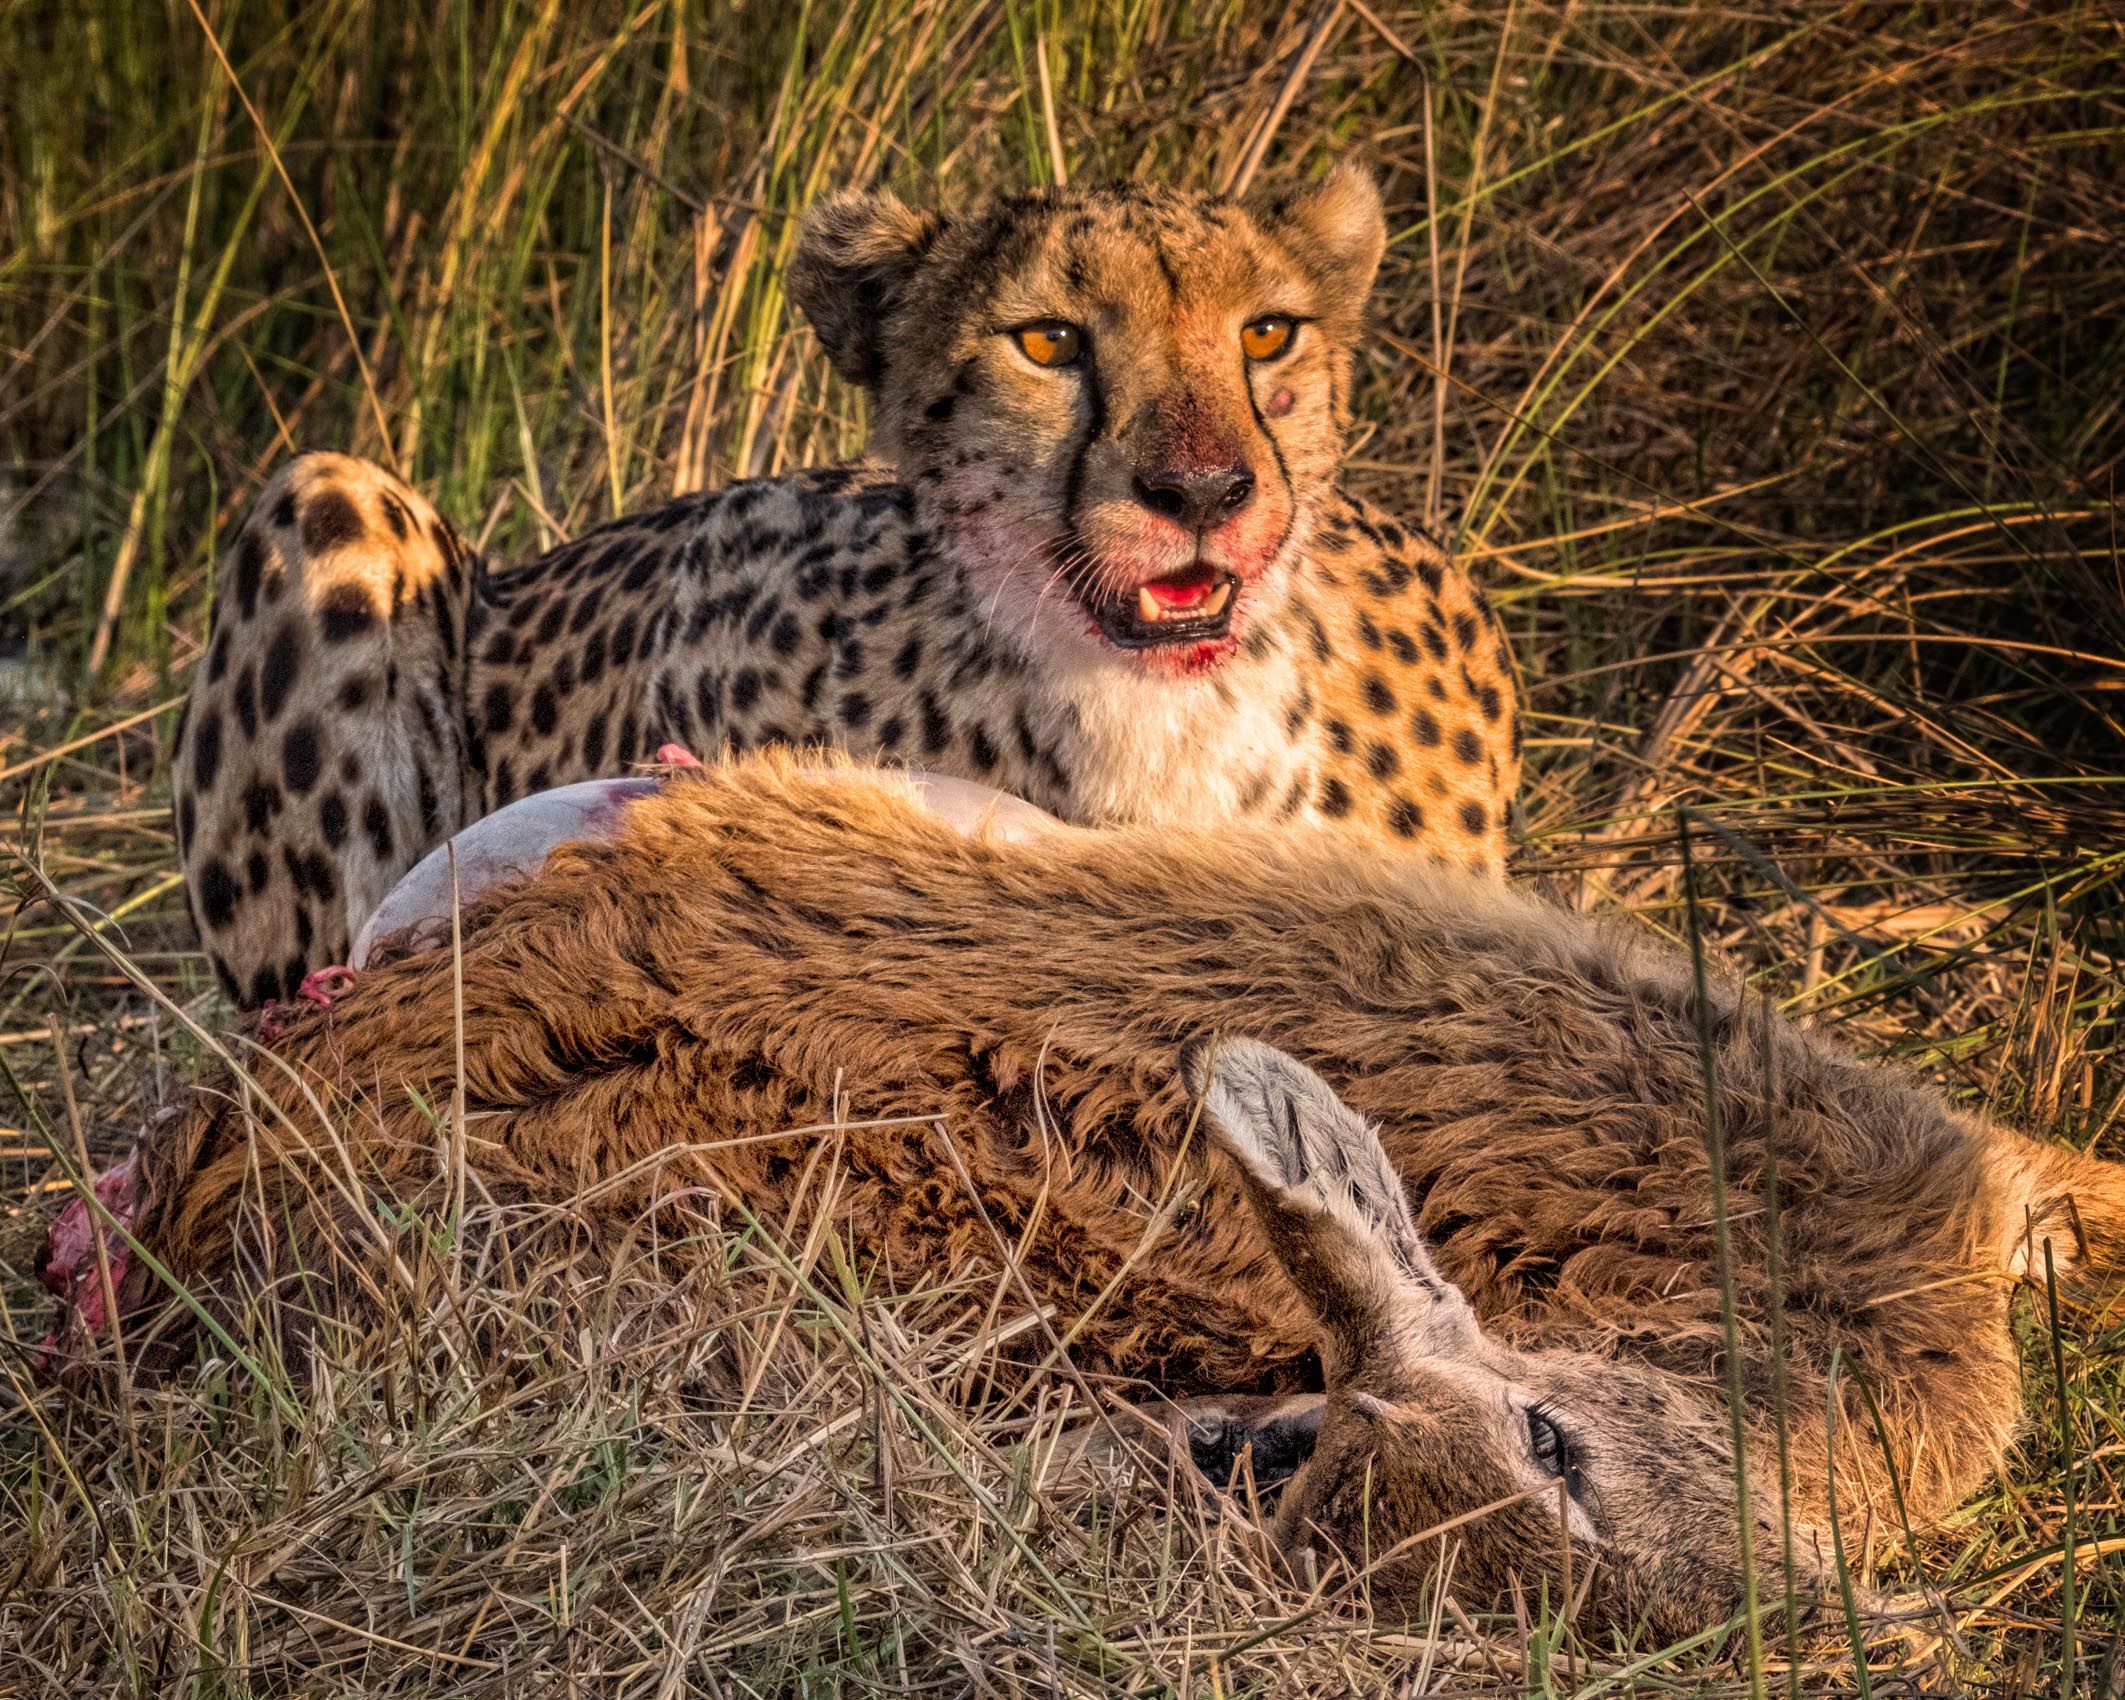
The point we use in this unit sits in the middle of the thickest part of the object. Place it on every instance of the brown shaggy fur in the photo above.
(760, 951)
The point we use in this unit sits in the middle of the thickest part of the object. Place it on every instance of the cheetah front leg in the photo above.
(323, 747)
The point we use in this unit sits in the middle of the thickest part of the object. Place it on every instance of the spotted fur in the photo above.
(371, 686)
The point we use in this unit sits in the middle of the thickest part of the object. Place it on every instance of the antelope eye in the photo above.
(1267, 337)
(1552, 1448)
(1050, 342)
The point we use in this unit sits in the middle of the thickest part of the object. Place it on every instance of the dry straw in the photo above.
(1766, 360)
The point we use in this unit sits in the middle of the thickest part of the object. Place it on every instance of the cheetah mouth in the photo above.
(1192, 606)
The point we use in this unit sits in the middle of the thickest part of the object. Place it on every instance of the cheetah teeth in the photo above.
(1153, 612)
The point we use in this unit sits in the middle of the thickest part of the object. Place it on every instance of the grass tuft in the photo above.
(1768, 362)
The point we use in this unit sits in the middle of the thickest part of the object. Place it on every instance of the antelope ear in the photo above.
(1330, 1204)
(854, 257)
(1337, 230)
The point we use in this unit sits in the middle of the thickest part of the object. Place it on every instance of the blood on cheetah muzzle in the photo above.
(1192, 606)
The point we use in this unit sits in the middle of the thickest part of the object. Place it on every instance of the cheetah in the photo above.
(1097, 556)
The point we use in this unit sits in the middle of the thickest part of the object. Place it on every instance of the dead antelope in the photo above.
(1506, 1298)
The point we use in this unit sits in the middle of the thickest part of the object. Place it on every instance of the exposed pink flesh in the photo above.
(320, 984)
(70, 1250)
(508, 844)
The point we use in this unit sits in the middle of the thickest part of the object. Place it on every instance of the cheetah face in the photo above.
(1119, 406)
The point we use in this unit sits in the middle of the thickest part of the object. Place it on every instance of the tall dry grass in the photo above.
(1768, 361)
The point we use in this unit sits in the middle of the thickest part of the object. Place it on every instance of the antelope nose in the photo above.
(1196, 499)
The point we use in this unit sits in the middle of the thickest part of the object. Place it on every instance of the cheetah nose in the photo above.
(1194, 497)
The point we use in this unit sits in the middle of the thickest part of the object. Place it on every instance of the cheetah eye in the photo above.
(1050, 342)
(1267, 337)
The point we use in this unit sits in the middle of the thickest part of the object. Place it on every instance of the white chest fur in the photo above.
(1144, 749)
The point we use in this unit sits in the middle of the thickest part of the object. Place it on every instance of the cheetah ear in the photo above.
(854, 257)
(1336, 230)
(1332, 1208)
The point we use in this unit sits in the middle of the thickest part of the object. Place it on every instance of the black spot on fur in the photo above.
(1382, 762)
(1316, 634)
(376, 822)
(1475, 818)
(347, 613)
(1378, 697)
(1424, 727)
(244, 699)
(430, 803)
(217, 894)
(1468, 746)
(261, 802)
(250, 568)
(278, 674)
(499, 711)
(936, 729)
(1335, 798)
(206, 750)
(328, 520)
(1406, 818)
(299, 759)
(545, 711)
(332, 817)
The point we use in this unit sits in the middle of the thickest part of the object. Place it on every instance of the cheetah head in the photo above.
(1119, 406)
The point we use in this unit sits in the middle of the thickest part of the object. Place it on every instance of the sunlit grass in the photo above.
(1781, 362)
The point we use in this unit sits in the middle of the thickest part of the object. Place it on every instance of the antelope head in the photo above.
(1547, 1470)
